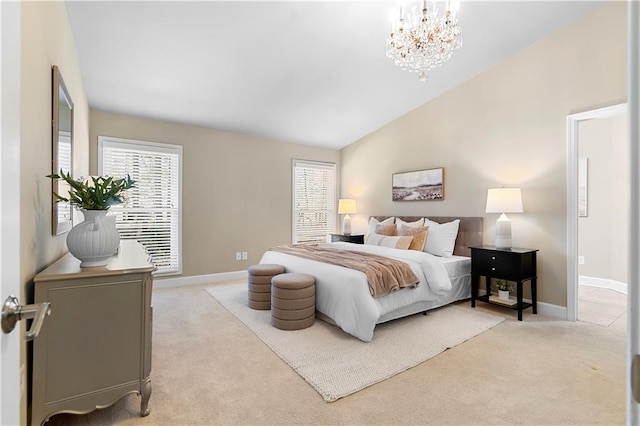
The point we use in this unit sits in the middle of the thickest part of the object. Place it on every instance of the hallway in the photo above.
(600, 306)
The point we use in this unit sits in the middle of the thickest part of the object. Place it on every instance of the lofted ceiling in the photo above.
(305, 72)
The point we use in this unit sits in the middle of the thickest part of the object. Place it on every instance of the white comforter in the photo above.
(343, 294)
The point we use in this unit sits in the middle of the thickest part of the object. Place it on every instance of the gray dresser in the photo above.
(95, 347)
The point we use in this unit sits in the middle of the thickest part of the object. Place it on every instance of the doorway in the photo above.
(603, 219)
(573, 193)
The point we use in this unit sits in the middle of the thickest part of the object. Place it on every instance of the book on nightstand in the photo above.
(495, 299)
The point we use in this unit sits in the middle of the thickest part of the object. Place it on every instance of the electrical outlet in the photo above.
(238, 255)
(244, 255)
(580, 260)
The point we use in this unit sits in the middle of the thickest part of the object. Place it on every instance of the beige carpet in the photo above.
(210, 369)
(337, 364)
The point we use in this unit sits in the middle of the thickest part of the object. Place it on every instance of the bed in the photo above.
(342, 294)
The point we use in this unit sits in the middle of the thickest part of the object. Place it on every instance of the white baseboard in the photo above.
(554, 311)
(547, 309)
(603, 283)
(197, 279)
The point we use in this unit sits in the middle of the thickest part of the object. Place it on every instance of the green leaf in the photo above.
(98, 193)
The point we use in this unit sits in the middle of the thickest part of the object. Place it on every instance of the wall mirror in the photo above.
(61, 150)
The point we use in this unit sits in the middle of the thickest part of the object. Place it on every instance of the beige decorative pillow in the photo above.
(401, 243)
(388, 230)
(373, 222)
(419, 236)
(417, 224)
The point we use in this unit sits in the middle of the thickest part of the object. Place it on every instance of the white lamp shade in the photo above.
(346, 206)
(504, 200)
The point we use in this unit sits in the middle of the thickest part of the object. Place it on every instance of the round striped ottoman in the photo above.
(293, 301)
(260, 285)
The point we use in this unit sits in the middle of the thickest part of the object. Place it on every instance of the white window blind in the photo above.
(152, 211)
(314, 201)
(65, 160)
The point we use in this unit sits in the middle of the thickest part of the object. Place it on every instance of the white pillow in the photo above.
(401, 243)
(441, 238)
(373, 222)
(399, 222)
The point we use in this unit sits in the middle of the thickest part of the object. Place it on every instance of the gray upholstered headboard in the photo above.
(469, 233)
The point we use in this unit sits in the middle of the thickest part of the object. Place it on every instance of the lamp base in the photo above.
(346, 225)
(503, 232)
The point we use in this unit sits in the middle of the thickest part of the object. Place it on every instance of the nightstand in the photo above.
(515, 264)
(356, 239)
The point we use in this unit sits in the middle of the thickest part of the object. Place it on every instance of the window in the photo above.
(152, 211)
(314, 201)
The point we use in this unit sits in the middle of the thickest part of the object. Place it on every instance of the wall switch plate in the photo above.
(580, 260)
(244, 255)
(238, 255)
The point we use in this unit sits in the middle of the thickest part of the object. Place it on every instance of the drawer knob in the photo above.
(493, 269)
(493, 258)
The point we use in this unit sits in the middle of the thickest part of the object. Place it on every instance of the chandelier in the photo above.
(420, 41)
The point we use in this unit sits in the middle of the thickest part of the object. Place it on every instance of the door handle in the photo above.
(13, 311)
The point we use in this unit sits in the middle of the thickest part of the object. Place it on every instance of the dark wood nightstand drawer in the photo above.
(495, 264)
(356, 239)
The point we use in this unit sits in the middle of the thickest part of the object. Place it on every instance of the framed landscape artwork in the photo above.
(421, 185)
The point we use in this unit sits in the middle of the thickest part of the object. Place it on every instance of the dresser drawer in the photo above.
(495, 264)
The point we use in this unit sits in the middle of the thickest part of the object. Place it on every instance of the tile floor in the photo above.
(600, 306)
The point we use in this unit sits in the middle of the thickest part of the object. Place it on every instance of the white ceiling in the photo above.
(305, 72)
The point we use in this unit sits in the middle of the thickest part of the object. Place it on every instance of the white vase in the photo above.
(95, 240)
(503, 294)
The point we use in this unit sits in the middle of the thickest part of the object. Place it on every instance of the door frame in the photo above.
(573, 122)
(633, 289)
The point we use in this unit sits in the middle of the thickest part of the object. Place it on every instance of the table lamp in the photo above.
(346, 206)
(504, 200)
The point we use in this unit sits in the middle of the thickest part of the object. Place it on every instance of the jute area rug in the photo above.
(337, 364)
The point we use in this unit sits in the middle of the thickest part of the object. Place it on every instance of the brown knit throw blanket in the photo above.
(384, 275)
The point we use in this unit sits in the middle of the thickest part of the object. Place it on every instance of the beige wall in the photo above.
(506, 126)
(236, 188)
(46, 41)
(621, 178)
(603, 233)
